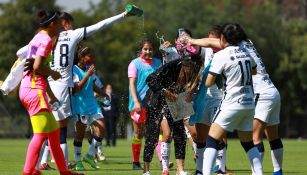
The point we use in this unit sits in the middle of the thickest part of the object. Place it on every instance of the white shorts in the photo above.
(63, 94)
(230, 120)
(210, 109)
(268, 106)
(88, 119)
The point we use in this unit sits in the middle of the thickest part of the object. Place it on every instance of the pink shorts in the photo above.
(34, 100)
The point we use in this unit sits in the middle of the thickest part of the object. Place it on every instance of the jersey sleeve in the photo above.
(217, 65)
(132, 72)
(44, 48)
(22, 52)
(253, 63)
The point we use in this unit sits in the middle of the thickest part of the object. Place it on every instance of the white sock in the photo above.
(199, 158)
(45, 155)
(221, 159)
(92, 149)
(99, 148)
(98, 145)
(254, 158)
(209, 155)
(65, 151)
(165, 155)
(77, 153)
(277, 157)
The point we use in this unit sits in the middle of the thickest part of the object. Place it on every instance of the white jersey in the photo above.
(261, 80)
(235, 66)
(213, 91)
(64, 52)
(171, 54)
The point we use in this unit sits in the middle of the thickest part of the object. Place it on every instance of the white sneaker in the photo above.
(100, 156)
(147, 173)
(182, 173)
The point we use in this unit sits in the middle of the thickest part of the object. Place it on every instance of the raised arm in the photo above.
(205, 42)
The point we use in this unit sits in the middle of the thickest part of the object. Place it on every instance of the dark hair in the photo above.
(66, 17)
(184, 30)
(142, 43)
(233, 33)
(46, 17)
(81, 52)
(215, 30)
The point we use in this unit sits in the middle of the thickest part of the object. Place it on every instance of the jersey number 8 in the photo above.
(64, 55)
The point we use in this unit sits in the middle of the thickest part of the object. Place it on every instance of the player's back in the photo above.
(64, 54)
(236, 69)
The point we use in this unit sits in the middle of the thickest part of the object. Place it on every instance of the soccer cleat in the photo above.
(182, 173)
(278, 172)
(45, 166)
(197, 172)
(216, 168)
(91, 161)
(147, 173)
(37, 172)
(79, 166)
(165, 172)
(100, 156)
(220, 172)
(136, 166)
(71, 165)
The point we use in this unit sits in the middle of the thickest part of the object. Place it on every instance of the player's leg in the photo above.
(165, 146)
(202, 133)
(179, 136)
(137, 144)
(79, 134)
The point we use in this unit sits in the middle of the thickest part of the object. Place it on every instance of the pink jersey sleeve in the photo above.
(132, 72)
(44, 47)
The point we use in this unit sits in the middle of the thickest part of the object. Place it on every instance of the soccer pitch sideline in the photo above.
(12, 157)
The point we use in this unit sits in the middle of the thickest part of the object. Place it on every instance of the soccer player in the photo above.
(267, 110)
(85, 107)
(138, 70)
(237, 107)
(33, 95)
(62, 62)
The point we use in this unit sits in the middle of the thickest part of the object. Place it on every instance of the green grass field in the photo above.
(12, 157)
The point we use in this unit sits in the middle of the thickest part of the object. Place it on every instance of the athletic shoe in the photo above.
(216, 168)
(100, 156)
(45, 166)
(79, 166)
(37, 172)
(91, 161)
(182, 173)
(220, 172)
(71, 165)
(147, 173)
(136, 166)
(198, 172)
(165, 172)
(278, 172)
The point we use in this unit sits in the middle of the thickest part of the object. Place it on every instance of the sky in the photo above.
(70, 5)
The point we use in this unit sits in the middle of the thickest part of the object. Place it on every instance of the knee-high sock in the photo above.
(221, 156)
(209, 155)
(56, 151)
(200, 149)
(136, 149)
(63, 136)
(158, 148)
(33, 152)
(277, 154)
(77, 150)
(253, 156)
(46, 153)
(165, 155)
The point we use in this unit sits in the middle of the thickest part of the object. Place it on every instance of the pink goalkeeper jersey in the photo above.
(40, 45)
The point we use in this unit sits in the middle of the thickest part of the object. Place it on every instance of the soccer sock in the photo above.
(77, 150)
(136, 149)
(276, 154)
(56, 151)
(165, 155)
(92, 149)
(97, 142)
(45, 155)
(158, 149)
(63, 136)
(33, 153)
(260, 148)
(221, 156)
(200, 148)
(210, 155)
(253, 156)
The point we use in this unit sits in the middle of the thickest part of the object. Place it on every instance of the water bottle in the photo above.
(134, 10)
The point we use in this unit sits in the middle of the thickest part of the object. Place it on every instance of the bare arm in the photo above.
(80, 85)
(206, 42)
(132, 90)
(52, 98)
(44, 70)
(210, 80)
